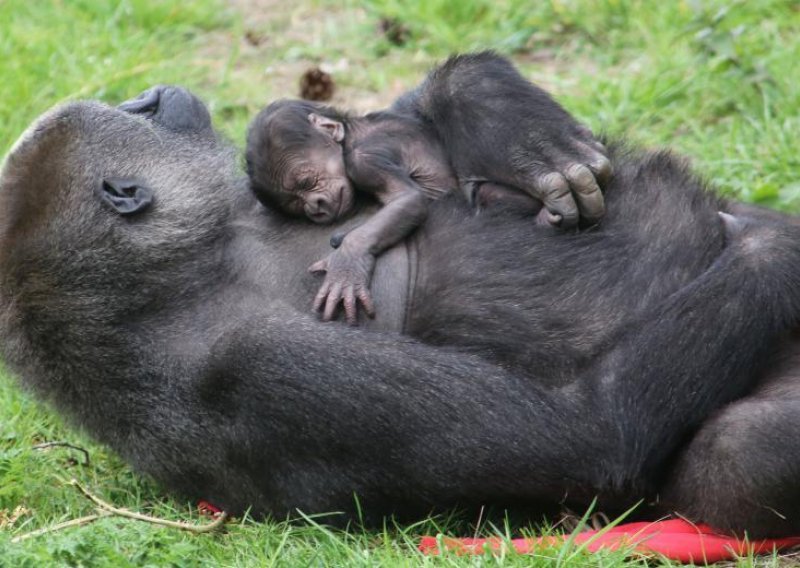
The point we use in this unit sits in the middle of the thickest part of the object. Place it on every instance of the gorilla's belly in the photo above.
(392, 283)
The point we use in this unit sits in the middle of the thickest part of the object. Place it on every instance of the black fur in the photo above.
(541, 368)
(498, 127)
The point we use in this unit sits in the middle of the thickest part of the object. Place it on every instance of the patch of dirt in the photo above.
(282, 40)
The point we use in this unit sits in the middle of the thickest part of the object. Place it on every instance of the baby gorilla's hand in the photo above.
(347, 279)
(566, 172)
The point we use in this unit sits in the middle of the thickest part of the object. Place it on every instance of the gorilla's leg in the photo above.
(742, 469)
(700, 349)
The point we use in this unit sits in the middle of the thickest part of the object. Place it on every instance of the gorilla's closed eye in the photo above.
(125, 196)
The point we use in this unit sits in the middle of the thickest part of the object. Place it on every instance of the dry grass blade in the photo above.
(65, 525)
(105, 509)
(216, 523)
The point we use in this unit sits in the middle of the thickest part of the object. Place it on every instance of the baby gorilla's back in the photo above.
(387, 149)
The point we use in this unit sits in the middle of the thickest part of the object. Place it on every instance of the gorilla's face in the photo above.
(88, 184)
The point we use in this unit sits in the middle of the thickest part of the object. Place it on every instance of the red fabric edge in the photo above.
(675, 539)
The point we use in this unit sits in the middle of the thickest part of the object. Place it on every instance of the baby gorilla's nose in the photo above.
(319, 203)
(318, 208)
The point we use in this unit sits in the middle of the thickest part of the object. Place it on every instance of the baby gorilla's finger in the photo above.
(319, 299)
(319, 266)
(334, 297)
(586, 192)
(350, 307)
(366, 300)
(553, 190)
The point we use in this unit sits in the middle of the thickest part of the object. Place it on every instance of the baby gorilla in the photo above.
(475, 123)
(306, 159)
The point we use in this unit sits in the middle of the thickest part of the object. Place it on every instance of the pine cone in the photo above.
(316, 85)
(395, 31)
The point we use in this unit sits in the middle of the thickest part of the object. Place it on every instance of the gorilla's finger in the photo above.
(321, 295)
(553, 190)
(350, 308)
(585, 137)
(586, 192)
(595, 156)
(545, 218)
(334, 297)
(597, 146)
(366, 301)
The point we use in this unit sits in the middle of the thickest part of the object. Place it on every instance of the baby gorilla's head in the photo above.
(295, 160)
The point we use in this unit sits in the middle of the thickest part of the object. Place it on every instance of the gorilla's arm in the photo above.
(333, 412)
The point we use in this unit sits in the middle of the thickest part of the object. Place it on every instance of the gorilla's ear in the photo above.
(125, 196)
(327, 126)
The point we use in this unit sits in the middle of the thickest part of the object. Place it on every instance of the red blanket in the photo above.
(677, 540)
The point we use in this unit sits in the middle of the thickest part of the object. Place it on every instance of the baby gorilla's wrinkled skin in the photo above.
(312, 160)
(307, 159)
(295, 161)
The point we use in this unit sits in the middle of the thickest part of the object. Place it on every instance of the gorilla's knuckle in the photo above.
(582, 178)
(553, 185)
(601, 167)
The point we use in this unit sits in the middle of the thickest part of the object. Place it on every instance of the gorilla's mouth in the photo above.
(320, 217)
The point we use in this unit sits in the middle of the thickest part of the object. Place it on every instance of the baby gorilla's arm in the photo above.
(349, 268)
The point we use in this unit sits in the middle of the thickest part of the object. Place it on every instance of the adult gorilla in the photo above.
(568, 366)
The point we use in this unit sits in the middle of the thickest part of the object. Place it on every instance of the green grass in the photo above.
(717, 80)
(51, 51)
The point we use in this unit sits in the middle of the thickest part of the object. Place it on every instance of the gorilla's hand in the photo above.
(347, 279)
(565, 173)
(498, 127)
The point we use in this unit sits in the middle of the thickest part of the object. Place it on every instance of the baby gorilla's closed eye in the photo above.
(398, 158)
(305, 184)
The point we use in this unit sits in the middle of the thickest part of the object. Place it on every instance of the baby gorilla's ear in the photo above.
(327, 126)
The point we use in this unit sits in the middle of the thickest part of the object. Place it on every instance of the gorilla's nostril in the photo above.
(320, 204)
(145, 104)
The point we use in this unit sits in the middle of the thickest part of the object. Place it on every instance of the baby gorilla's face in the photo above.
(295, 159)
(316, 185)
